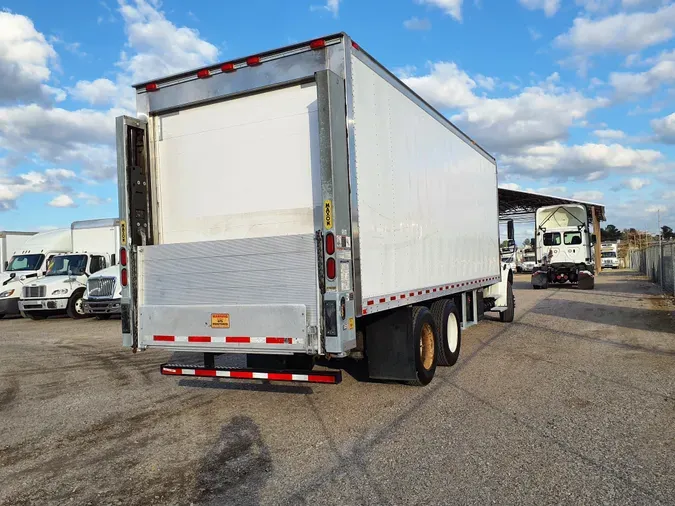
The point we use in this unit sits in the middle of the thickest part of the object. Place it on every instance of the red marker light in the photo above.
(151, 87)
(203, 74)
(355, 45)
(317, 44)
(253, 61)
(228, 67)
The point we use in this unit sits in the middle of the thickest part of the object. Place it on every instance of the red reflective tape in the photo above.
(172, 370)
(412, 294)
(383, 300)
(241, 374)
(447, 288)
(427, 291)
(237, 339)
(278, 340)
(392, 297)
(199, 339)
(419, 293)
(371, 302)
(205, 372)
(402, 296)
(434, 290)
(321, 379)
(163, 338)
(279, 376)
(365, 311)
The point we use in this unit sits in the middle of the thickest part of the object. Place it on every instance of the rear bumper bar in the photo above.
(332, 377)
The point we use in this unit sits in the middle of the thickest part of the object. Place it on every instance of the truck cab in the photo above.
(609, 254)
(564, 245)
(29, 263)
(62, 288)
(103, 294)
(528, 261)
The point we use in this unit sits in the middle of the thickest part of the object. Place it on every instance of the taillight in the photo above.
(330, 243)
(317, 44)
(228, 67)
(123, 257)
(203, 74)
(330, 268)
(253, 61)
(124, 277)
(151, 87)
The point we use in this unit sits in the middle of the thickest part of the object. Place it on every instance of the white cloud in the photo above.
(510, 186)
(450, 7)
(332, 6)
(653, 209)
(25, 58)
(550, 7)
(93, 200)
(534, 33)
(596, 5)
(633, 84)
(664, 128)
(415, 23)
(51, 180)
(445, 86)
(588, 195)
(609, 134)
(97, 92)
(622, 32)
(636, 183)
(587, 162)
(550, 190)
(62, 200)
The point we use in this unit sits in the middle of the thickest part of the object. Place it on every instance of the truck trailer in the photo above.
(9, 243)
(564, 247)
(95, 244)
(302, 204)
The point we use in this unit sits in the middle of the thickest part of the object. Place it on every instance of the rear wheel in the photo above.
(448, 331)
(75, 307)
(424, 341)
(508, 315)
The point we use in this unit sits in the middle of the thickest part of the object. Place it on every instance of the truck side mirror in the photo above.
(510, 234)
(593, 239)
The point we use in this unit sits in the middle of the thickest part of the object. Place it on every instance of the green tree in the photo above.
(526, 243)
(667, 232)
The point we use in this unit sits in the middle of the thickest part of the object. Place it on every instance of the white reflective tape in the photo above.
(260, 375)
(223, 374)
(300, 377)
(188, 372)
(180, 339)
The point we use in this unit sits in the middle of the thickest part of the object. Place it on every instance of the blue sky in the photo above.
(573, 97)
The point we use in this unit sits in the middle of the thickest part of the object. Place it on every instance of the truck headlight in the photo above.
(60, 291)
(6, 293)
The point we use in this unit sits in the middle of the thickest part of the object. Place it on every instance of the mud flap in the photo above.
(586, 281)
(389, 347)
(540, 279)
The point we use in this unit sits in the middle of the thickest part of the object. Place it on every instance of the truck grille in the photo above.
(101, 287)
(34, 291)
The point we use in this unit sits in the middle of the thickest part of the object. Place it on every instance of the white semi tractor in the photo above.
(9, 243)
(95, 244)
(609, 251)
(28, 263)
(102, 297)
(564, 245)
(304, 203)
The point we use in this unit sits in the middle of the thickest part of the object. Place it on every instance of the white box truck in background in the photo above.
(609, 251)
(95, 246)
(102, 297)
(304, 203)
(9, 243)
(564, 245)
(28, 262)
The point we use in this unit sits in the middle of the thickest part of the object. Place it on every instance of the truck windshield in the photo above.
(61, 265)
(572, 238)
(528, 258)
(552, 239)
(25, 262)
(608, 254)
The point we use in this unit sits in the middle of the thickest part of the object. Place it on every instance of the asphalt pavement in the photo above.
(573, 403)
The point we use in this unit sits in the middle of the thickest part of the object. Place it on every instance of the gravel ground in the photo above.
(573, 403)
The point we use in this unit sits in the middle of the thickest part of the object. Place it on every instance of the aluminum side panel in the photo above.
(427, 200)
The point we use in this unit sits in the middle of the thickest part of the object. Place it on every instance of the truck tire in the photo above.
(424, 341)
(75, 308)
(448, 331)
(508, 315)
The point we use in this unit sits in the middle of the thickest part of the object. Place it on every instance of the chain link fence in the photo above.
(658, 262)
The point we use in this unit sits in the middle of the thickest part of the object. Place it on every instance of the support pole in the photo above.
(598, 240)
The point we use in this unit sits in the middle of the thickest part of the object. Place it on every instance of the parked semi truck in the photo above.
(29, 262)
(564, 243)
(95, 244)
(609, 253)
(528, 260)
(303, 203)
(103, 294)
(9, 243)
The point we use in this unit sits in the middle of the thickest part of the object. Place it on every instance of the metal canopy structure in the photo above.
(520, 206)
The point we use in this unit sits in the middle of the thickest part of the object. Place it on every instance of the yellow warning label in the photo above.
(351, 324)
(220, 321)
(328, 214)
(123, 232)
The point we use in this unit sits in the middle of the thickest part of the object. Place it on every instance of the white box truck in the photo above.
(102, 297)
(303, 203)
(95, 246)
(28, 262)
(564, 246)
(609, 251)
(9, 243)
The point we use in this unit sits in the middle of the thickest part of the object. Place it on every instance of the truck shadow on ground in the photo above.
(235, 468)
